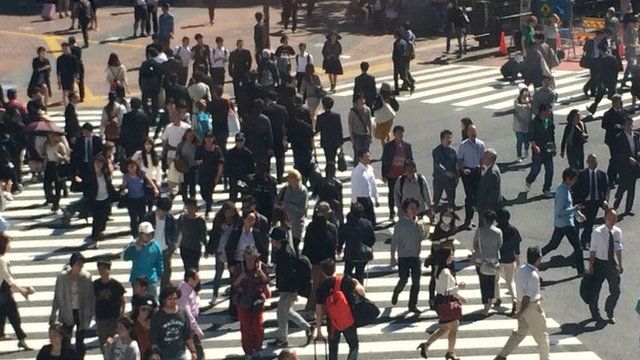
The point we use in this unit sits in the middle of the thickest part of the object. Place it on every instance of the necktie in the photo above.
(593, 186)
(610, 250)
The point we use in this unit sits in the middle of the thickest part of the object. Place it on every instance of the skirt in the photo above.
(332, 66)
(383, 130)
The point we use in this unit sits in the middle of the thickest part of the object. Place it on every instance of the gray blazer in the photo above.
(62, 310)
(489, 195)
(487, 243)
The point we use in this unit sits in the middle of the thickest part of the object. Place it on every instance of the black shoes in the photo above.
(394, 298)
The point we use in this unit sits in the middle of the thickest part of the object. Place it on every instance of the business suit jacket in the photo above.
(365, 84)
(134, 131)
(489, 194)
(278, 116)
(610, 119)
(77, 155)
(329, 125)
(389, 151)
(582, 187)
(178, 92)
(622, 152)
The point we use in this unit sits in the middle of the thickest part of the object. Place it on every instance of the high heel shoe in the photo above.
(451, 356)
(23, 344)
(423, 349)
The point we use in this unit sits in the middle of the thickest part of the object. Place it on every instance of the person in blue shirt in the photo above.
(564, 212)
(147, 258)
(166, 26)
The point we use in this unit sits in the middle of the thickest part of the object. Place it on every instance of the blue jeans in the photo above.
(546, 159)
(440, 14)
(522, 140)
(218, 276)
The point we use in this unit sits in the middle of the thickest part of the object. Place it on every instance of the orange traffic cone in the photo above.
(503, 45)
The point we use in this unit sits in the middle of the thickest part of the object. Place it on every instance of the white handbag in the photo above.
(386, 113)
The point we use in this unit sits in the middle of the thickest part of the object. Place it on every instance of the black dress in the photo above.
(331, 53)
(39, 78)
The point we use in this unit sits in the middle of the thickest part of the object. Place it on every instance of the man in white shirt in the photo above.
(302, 60)
(183, 52)
(530, 315)
(605, 249)
(219, 58)
(363, 186)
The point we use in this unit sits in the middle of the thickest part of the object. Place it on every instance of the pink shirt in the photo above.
(189, 302)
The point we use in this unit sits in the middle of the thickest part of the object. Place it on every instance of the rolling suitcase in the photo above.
(48, 11)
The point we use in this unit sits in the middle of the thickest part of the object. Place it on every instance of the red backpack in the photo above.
(338, 308)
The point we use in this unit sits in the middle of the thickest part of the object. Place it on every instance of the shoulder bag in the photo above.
(488, 266)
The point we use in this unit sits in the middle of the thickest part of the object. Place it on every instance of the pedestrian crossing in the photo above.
(461, 86)
(42, 245)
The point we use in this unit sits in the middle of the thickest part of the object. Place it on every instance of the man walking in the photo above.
(563, 219)
(592, 191)
(200, 54)
(329, 125)
(360, 126)
(363, 186)
(530, 315)
(365, 84)
(489, 195)
(612, 122)
(400, 57)
(627, 148)
(285, 260)
(543, 147)
(469, 155)
(166, 27)
(109, 295)
(278, 118)
(183, 52)
(445, 170)
(243, 165)
(67, 69)
(146, 255)
(76, 51)
(259, 36)
(239, 66)
(394, 155)
(219, 59)
(190, 302)
(606, 247)
(413, 185)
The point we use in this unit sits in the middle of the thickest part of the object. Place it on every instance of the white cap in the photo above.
(145, 227)
(522, 86)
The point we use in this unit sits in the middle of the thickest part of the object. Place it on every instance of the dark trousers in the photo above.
(206, 192)
(470, 183)
(487, 286)
(351, 336)
(355, 269)
(608, 88)
(590, 212)
(190, 258)
(330, 153)
(9, 309)
(81, 90)
(211, 7)
(199, 349)
(84, 27)
(409, 266)
(151, 95)
(575, 156)
(188, 186)
(628, 185)
(302, 161)
(537, 161)
(234, 189)
(367, 204)
(401, 71)
(52, 185)
(605, 270)
(183, 75)
(290, 12)
(80, 333)
(447, 185)
(279, 166)
(391, 182)
(217, 278)
(153, 18)
(571, 232)
(136, 209)
(299, 77)
(310, 5)
(217, 74)
(100, 211)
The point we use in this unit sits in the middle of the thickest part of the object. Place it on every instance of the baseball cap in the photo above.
(145, 227)
(278, 234)
(240, 136)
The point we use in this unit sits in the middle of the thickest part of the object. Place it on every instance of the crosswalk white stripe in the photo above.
(455, 87)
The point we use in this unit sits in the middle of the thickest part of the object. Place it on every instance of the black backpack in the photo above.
(302, 277)
(460, 18)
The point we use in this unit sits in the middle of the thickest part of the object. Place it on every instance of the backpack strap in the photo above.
(338, 284)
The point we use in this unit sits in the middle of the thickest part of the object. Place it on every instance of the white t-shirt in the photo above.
(159, 234)
(302, 61)
(184, 53)
(173, 135)
(219, 57)
(103, 194)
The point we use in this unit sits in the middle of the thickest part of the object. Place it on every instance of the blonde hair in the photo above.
(295, 173)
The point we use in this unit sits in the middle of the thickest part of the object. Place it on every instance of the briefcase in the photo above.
(586, 288)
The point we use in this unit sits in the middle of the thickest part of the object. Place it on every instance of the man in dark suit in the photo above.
(84, 151)
(489, 194)
(394, 154)
(278, 116)
(365, 84)
(612, 123)
(176, 91)
(239, 65)
(627, 147)
(329, 125)
(592, 192)
(134, 129)
(401, 61)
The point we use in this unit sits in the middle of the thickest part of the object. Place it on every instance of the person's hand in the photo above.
(462, 299)
(577, 207)
(462, 285)
(633, 161)
(59, 86)
(156, 193)
(194, 356)
(449, 174)
(517, 315)
(585, 136)
(200, 335)
(620, 269)
(109, 340)
(466, 171)
(377, 204)
(535, 149)
(393, 262)
(25, 293)
(581, 217)
(617, 126)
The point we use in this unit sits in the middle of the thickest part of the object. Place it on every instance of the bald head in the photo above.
(472, 132)
(592, 161)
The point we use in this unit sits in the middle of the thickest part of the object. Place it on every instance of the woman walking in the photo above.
(331, 64)
(356, 231)
(149, 161)
(486, 248)
(447, 293)
(41, 74)
(59, 347)
(101, 193)
(509, 256)
(522, 116)
(294, 197)
(117, 76)
(194, 235)
(57, 154)
(135, 185)
(123, 346)
(225, 220)
(573, 139)
(311, 89)
(143, 307)
(112, 115)
(252, 286)
(187, 150)
(210, 161)
(8, 306)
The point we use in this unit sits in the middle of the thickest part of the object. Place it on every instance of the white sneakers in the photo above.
(548, 194)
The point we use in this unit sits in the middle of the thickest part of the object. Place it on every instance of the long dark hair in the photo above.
(153, 153)
(440, 260)
(4, 242)
(114, 60)
(220, 217)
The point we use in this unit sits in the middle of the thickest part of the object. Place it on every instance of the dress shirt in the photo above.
(246, 239)
(88, 148)
(363, 183)
(165, 25)
(600, 241)
(446, 283)
(563, 211)
(470, 152)
(528, 282)
(189, 301)
(632, 144)
(184, 53)
(219, 57)
(302, 60)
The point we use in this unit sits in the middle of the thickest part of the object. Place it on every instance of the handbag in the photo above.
(232, 122)
(487, 266)
(365, 252)
(342, 162)
(586, 288)
(364, 311)
(181, 164)
(384, 114)
(448, 308)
